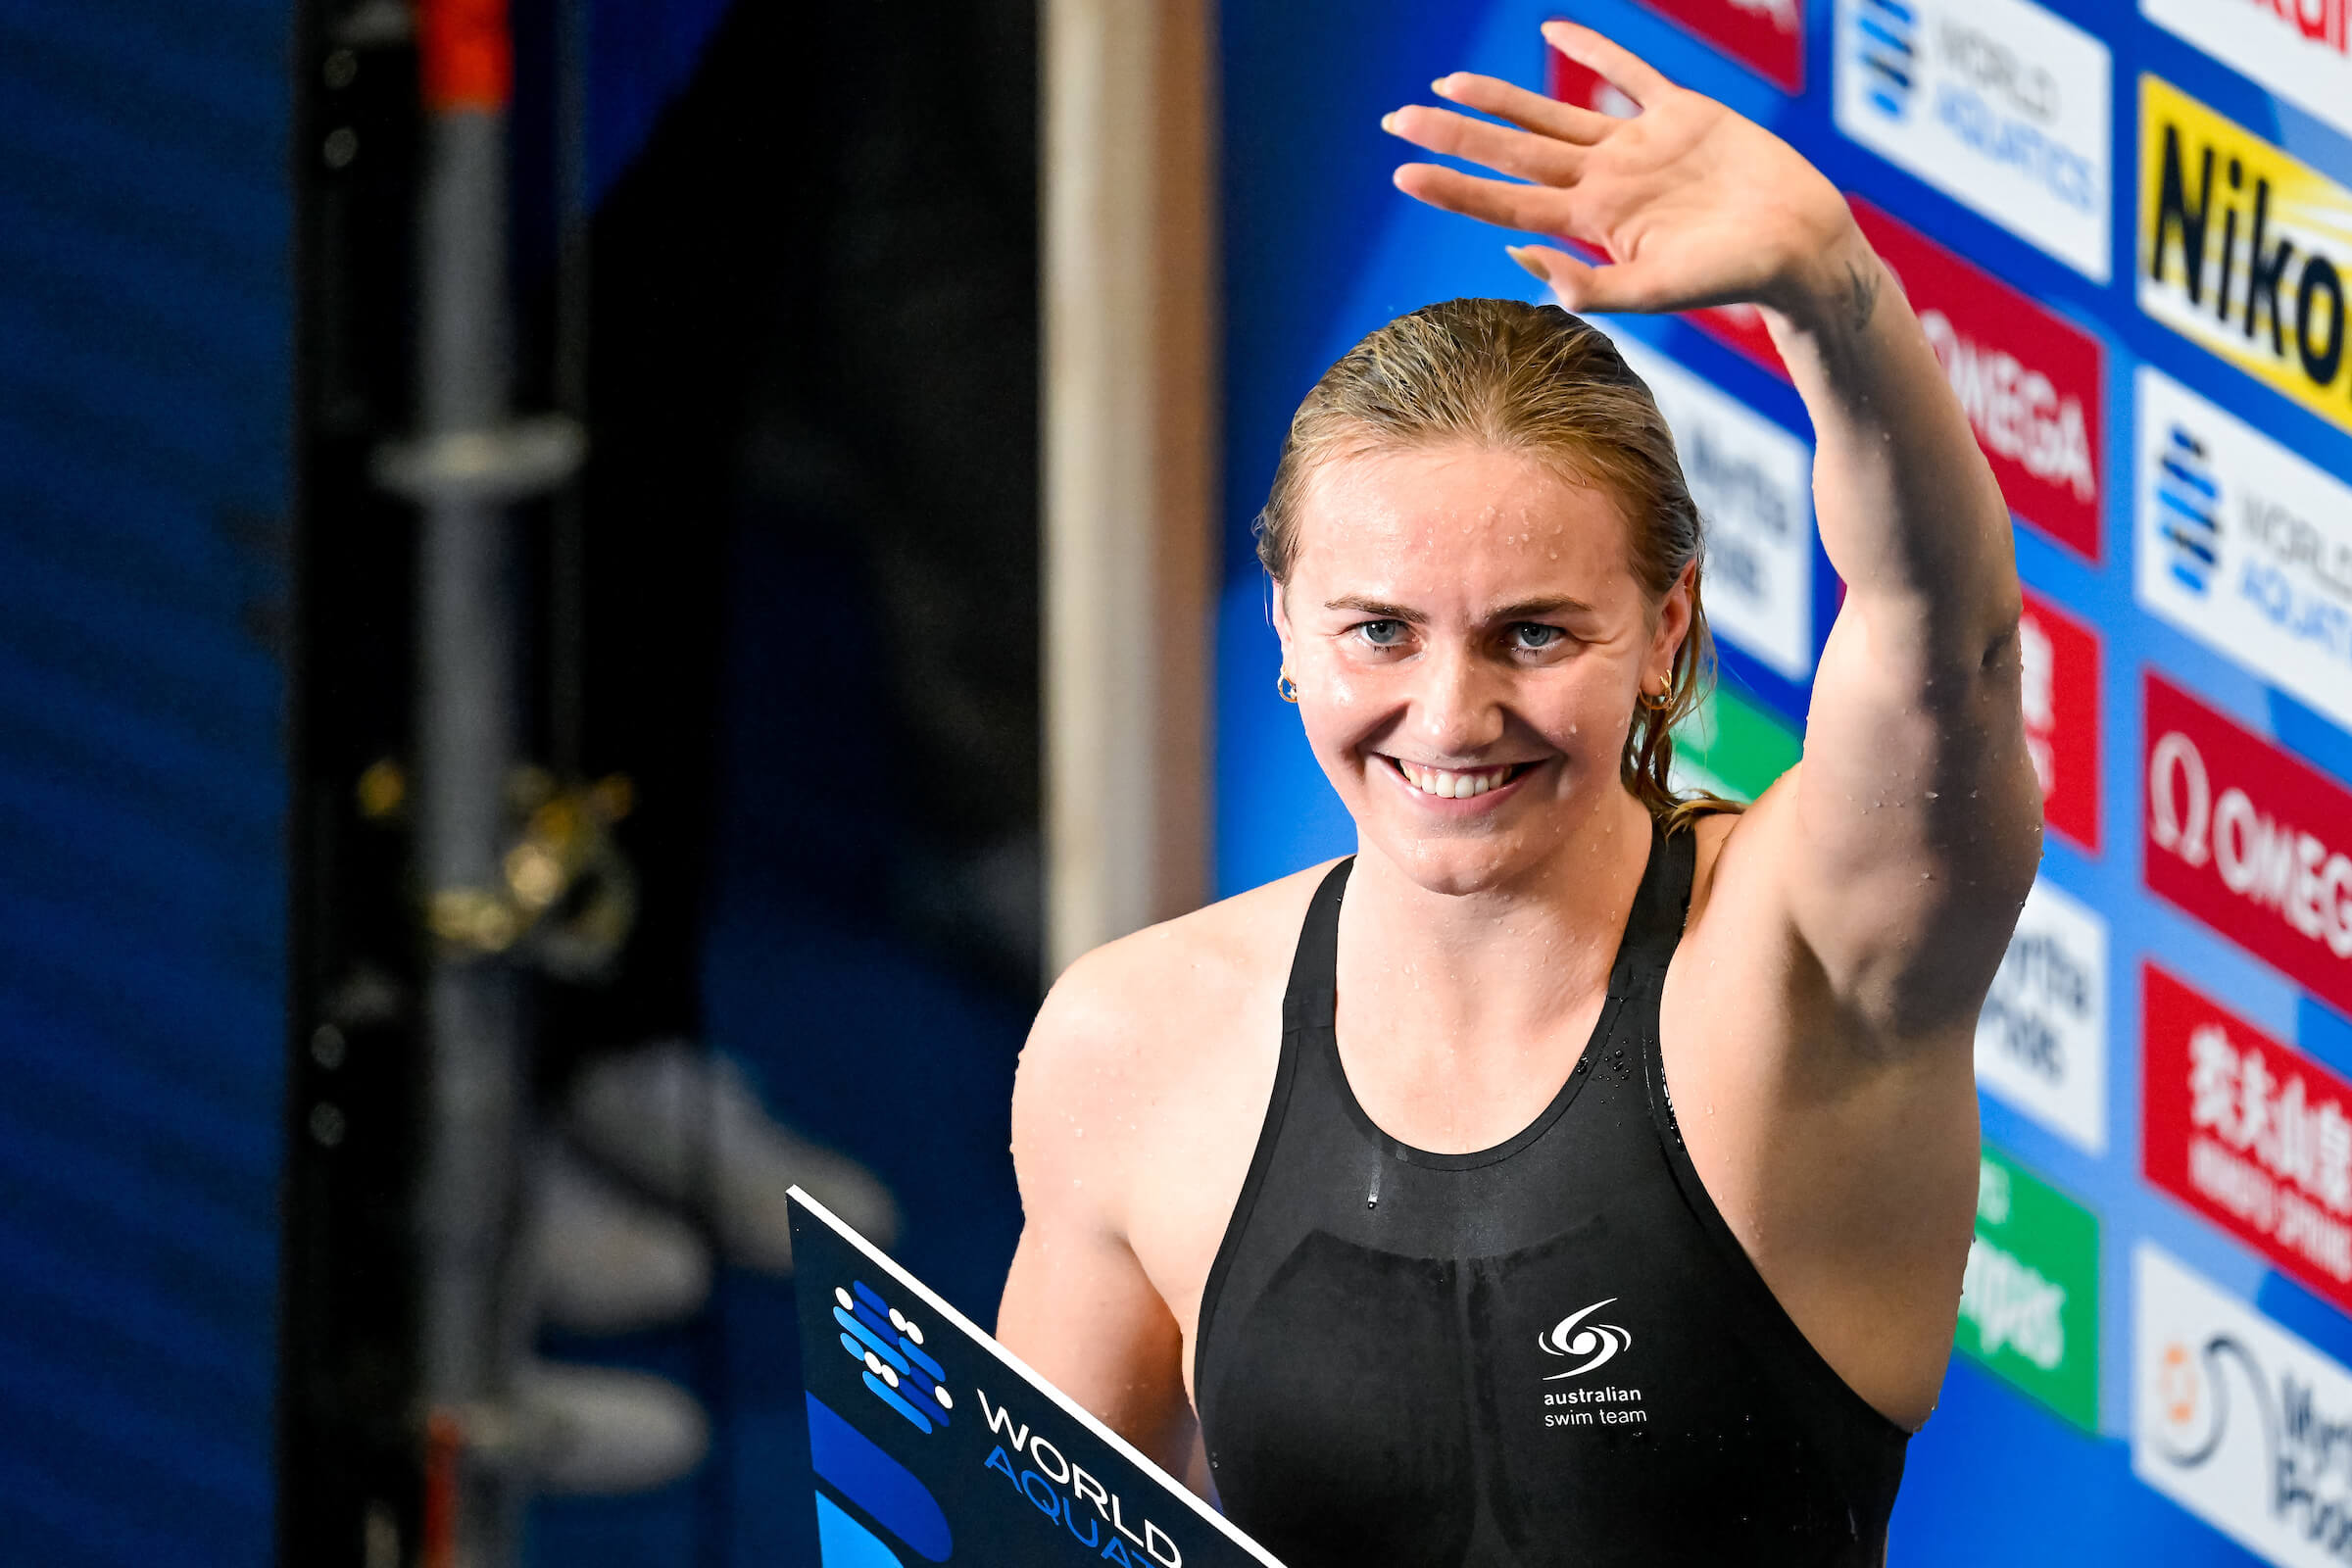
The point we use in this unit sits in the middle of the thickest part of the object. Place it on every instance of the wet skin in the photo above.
(1818, 1016)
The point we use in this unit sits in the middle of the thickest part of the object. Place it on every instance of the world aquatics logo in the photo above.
(1597, 1343)
(1883, 44)
(2190, 502)
(889, 1343)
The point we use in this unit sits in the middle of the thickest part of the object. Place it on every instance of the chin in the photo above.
(1459, 864)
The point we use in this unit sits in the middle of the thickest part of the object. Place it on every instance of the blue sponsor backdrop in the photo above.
(1319, 248)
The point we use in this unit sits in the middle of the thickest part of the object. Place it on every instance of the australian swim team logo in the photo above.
(1590, 1344)
(889, 1343)
(1594, 1345)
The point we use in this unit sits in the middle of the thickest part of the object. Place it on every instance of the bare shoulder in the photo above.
(1111, 1010)
(1152, 1024)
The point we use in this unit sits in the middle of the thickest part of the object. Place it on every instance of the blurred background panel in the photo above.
(146, 403)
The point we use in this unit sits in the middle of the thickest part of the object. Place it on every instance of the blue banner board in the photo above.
(931, 1443)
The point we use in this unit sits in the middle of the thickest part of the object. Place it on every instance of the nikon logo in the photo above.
(2243, 249)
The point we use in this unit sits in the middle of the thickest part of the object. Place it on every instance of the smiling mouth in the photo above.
(1451, 784)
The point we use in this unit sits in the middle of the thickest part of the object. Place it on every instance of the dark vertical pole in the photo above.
(468, 727)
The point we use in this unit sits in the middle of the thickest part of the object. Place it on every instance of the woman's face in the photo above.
(1468, 640)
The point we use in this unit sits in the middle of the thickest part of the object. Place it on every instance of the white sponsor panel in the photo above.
(2041, 1040)
(2245, 546)
(1754, 482)
(2238, 1421)
(1997, 102)
(2296, 48)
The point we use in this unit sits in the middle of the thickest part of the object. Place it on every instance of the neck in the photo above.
(1507, 965)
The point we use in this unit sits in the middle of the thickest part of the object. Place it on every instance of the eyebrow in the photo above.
(1523, 609)
(1374, 606)
(1529, 609)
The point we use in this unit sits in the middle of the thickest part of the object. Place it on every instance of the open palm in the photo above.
(1693, 203)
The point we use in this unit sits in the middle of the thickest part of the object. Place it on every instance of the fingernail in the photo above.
(1526, 262)
(1387, 122)
(1440, 87)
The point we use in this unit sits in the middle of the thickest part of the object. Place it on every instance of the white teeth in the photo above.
(1447, 785)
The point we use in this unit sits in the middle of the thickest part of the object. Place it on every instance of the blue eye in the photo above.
(1382, 633)
(1531, 635)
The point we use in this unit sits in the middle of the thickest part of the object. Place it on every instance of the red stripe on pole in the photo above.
(444, 1450)
(465, 55)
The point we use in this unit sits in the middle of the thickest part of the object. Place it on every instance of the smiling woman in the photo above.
(1388, 1157)
(1512, 406)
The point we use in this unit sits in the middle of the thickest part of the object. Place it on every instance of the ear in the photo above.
(1281, 611)
(1674, 624)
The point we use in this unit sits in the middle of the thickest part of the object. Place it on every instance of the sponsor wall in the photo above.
(2127, 234)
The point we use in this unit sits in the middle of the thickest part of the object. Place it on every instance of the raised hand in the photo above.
(1693, 203)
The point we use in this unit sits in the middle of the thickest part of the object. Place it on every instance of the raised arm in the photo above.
(1903, 845)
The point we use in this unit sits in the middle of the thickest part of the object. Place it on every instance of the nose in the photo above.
(1458, 706)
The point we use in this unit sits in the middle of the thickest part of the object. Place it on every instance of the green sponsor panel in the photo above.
(1734, 747)
(2030, 1302)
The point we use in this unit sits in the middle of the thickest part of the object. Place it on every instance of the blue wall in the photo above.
(145, 354)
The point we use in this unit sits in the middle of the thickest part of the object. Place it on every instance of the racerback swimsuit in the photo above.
(1552, 1351)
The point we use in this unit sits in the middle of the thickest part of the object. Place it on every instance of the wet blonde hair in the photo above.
(1532, 378)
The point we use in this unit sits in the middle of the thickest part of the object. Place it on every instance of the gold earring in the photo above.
(1658, 704)
(1288, 687)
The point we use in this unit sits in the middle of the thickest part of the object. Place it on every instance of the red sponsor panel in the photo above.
(2250, 1133)
(1768, 36)
(2254, 842)
(1574, 82)
(2030, 381)
(2059, 660)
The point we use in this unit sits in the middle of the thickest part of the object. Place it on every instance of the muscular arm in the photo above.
(1843, 938)
(1900, 849)
(1916, 822)
(1078, 1306)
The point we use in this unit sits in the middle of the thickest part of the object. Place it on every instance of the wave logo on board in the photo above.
(1595, 1342)
(889, 1345)
(2189, 509)
(1886, 45)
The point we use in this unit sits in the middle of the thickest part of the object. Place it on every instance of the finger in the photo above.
(1580, 286)
(1501, 202)
(1481, 141)
(1529, 111)
(1619, 66)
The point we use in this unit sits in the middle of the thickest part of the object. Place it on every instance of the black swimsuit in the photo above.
(1551, 1351)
